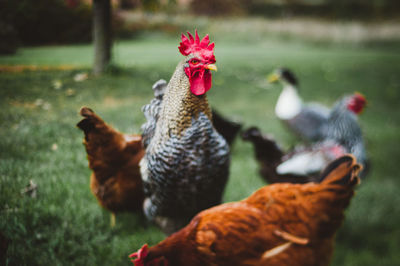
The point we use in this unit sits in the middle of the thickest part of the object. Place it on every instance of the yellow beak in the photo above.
(212, 67)
(273, 78)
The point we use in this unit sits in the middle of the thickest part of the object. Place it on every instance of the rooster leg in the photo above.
(113, 220)
(291, 238)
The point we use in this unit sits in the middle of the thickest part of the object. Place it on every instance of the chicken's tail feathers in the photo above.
(86, 111)
(342, 171)
(159, 88)
(229, 129)
(250, 133)
(266, 148)
(253, 134)
(88, 123)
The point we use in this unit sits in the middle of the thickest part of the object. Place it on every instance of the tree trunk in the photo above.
(102, 39)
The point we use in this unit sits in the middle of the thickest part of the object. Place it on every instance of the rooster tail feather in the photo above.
(225, 127)
(342, 171)
(159, 88)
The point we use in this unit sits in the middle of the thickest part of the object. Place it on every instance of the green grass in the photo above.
(64, 225)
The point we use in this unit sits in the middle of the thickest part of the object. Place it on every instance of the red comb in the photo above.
(140, 255)
(357, 103)
(360, 96)
(192, 45)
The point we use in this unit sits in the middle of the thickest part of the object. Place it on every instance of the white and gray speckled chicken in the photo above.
(343, 127)
(186, 164)
(339, 135)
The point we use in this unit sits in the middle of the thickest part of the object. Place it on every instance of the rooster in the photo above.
(114, 159)
(279, 224)
(186, 163)
(340, 134)
(305, 120)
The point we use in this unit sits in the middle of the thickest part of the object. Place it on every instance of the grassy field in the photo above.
(64, 225)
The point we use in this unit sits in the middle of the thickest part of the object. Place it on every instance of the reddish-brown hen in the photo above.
(114, 158)
(280, 224)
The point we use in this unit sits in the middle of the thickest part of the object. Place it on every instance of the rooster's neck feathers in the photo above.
(180, 105)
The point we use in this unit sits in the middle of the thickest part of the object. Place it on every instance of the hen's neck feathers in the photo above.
(181, 242)
(180, 105)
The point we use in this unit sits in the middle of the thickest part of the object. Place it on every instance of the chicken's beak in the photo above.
(272, 78)
(211, 67)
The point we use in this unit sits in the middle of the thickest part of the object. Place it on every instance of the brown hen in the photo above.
(114, 159)
(280, 224)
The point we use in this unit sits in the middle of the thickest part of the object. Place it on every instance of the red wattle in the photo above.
(200, 81)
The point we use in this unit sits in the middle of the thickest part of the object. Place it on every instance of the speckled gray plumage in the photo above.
(151, 111)
(186, 165)
(309, 122)
(187, 174)
(343, 128)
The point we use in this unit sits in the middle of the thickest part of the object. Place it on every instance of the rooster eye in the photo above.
(194, 61)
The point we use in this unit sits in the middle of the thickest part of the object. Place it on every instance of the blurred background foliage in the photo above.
(40, 22)
(45, 21)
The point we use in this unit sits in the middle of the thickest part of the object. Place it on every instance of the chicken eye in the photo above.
(195, 61)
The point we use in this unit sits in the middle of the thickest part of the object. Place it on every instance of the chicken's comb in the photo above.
(191, 45)
(139, 256)
(357, 102)
(360, 96)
